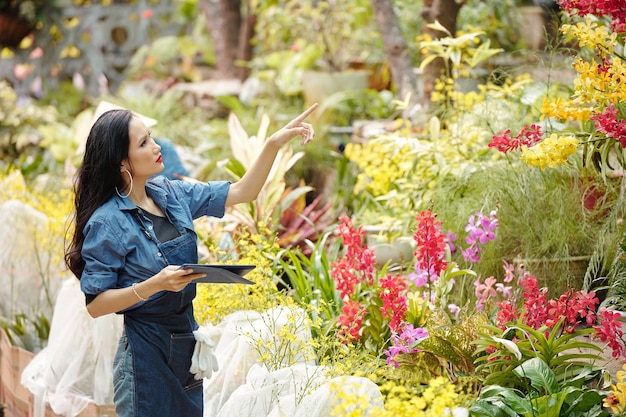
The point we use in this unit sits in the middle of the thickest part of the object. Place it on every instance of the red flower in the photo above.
(506, 314)
(613, 8)
(357, 265)
(351, 319)
(528, 136)
(430, 245)
(608, 124)
(394, 300)
(610, 330)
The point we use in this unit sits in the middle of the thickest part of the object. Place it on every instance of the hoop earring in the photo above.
(131, 185)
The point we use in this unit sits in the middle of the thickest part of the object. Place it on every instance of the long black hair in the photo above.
(99, 174)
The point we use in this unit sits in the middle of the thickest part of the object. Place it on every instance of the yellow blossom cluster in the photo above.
(435, 400)
(442, 90)
(382, 162)
(511, 87)
(599, 82)
(593, 36)
(56, 204)
(216, 301)
(449, 92)
(551, 152)
(349, 400)
(599, 87)
(557, 109)
(466, 101)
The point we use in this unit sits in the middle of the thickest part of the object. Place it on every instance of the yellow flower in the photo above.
(551, 152)
(593, 36)
(617, 399)
(558, 109)
(214, 302)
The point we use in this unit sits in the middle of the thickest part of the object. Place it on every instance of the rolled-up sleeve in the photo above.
(104, 256)
(205, 199)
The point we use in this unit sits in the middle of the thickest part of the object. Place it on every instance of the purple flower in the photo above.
(506, 291)
(480, 230)
(405, 342)
(450, 238)
(471, 254)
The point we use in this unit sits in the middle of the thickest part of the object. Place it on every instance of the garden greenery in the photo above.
(440, 333)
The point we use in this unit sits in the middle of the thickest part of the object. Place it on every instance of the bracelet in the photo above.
(136, 293)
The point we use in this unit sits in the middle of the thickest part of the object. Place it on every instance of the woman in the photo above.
(132, 232)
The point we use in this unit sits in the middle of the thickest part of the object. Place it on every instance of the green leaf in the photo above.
(541, 377)
(427, 60)
(579, 401)
(508, 398)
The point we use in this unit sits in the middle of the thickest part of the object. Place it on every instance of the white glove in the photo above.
(203, 360)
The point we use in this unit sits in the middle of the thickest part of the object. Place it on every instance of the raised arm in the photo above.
(249, 186)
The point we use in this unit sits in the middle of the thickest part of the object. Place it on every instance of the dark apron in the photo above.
(160, 337)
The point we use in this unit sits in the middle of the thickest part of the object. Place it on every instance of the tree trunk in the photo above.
(446, 12)
(231, 32)
(396, 49)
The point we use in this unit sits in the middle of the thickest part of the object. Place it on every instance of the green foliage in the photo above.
(32, 11)
(491, 16)
(544, 396)
(541, 214)
(166, 58)
(28, 331)
(301, 223)
(458, 51)
(344, 107)
(336, 32)
(66, 99)
(309, 277)
(448, 349)
(20, 135)
(565, 354)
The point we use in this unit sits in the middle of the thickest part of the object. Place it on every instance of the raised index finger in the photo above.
(304, 115)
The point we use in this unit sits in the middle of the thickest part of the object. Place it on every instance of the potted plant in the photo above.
(320, 44)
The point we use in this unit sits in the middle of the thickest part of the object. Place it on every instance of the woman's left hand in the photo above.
(294, 128)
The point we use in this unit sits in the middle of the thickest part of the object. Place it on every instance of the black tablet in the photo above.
(221, 274)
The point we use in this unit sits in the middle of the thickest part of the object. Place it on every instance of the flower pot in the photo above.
(531, 27)
(319, 85)
(13, 29)
(387, 246)
(557, 274)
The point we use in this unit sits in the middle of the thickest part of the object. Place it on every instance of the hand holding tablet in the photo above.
(221, 274)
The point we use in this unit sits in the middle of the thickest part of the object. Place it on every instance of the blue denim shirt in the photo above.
(120, 246)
